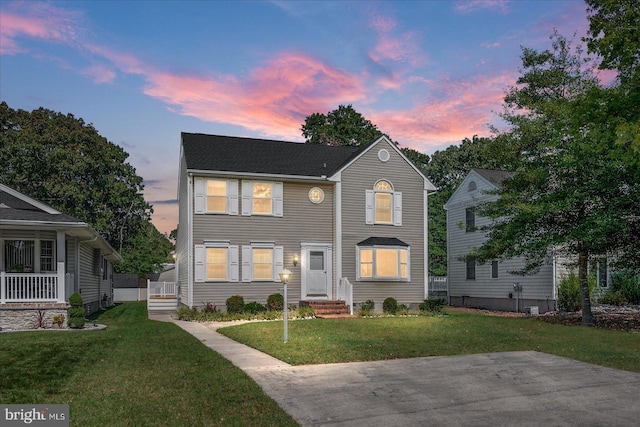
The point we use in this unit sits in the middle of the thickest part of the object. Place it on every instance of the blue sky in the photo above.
(428, 73)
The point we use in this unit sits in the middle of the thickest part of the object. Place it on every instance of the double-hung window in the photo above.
(216, 262)
(383, 204)
(262, 262)
(216, 196)
(471, 269)
(389, 263)
(470, 220)
(262, 198)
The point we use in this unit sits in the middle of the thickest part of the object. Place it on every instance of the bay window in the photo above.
(383, 263)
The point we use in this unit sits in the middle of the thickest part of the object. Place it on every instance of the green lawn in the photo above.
(360, 339)
(137, 373)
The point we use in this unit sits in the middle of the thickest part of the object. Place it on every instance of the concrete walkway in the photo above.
(495, 389)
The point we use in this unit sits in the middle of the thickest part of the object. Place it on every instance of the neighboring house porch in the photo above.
(45, 256)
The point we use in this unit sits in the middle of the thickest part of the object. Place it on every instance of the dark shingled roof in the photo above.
(494, 176)
(15, 209)
(249, 155)
(382, 241)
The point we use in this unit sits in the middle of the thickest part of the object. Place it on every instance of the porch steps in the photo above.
(162, 303)
(328, 309)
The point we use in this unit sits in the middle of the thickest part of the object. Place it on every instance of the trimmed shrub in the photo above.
(254, 308)
(390, 305)
(627, 284)
(614, 298)
(76, 312)
(366, 308)
(403, 309)
(433, 305)
(569, 296)
(275, 302)
(235, 304)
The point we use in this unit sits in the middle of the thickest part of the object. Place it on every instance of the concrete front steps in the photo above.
(328, 309)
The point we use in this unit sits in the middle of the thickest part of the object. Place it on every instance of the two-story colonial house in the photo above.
(349, 222)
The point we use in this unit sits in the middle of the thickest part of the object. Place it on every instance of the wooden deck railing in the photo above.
(29, 287)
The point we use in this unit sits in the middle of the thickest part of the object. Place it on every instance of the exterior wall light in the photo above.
(295, 260)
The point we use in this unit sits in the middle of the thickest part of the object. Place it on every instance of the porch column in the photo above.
(61, 256)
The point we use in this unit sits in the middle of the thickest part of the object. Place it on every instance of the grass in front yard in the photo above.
(361, 339)
(137, 372)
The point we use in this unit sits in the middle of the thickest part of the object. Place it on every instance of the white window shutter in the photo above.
(200, 267)
(232, 264)
(397, 208)
(369, 202)
(247, 198)
(200, 193)
(278, 199)
(278, 262)
(247, 262)
(232, 197)
(409, 264)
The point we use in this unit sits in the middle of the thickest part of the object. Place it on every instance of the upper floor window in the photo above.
(216, 195)
(470, 219)
(383, 204)
(262, 198)
(472, 186)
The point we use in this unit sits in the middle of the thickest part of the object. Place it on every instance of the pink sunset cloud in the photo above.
(99, 73)
(456, 110)
(273, 99)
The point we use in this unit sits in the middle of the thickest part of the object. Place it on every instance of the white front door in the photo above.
(316, 271)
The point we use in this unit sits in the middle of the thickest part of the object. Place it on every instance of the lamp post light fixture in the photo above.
(285, 275)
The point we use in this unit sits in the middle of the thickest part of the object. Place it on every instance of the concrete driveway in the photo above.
(494, 389)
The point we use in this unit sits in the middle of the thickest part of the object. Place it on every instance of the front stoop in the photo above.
(328, 309)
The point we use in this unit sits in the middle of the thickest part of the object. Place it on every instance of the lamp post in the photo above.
(285, 275)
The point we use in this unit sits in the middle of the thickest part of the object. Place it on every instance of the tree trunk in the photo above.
(587, 315)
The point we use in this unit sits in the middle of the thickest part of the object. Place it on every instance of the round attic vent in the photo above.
(384, 155)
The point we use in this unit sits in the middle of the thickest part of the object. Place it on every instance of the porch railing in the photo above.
(345, 292)
(29, 287)
(438, 284)
(162, 289)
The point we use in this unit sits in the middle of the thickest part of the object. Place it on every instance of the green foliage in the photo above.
(62, 161)
(235, 304)
(186, 313)
(254, 307)
(434, 306)
(209, 307)
(367, 308)
(627, 284)
(75, 300)
(342, 126)
(275, 302)
(76, 317)
(569, 298)
(305, 312)
(614, 298)
(403, 310)
(390, 306)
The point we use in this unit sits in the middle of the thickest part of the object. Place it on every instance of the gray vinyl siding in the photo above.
(485, 289)
(302, 221)
(356, 179)
(89, 281)
(182, 241)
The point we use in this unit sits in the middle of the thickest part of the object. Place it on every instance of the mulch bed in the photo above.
(605, 317)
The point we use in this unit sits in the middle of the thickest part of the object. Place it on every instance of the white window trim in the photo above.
(247, 261)
(200, 262)
(396, 205)
(277, 198)
(373, 268)
(37, 254)
(200, 196)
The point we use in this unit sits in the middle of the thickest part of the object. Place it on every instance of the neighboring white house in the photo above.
(491, 285)
(45, 256)
(349, 222)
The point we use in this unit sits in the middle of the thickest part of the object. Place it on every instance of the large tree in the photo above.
(342, 126)
(573, 191)
(64, 162)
